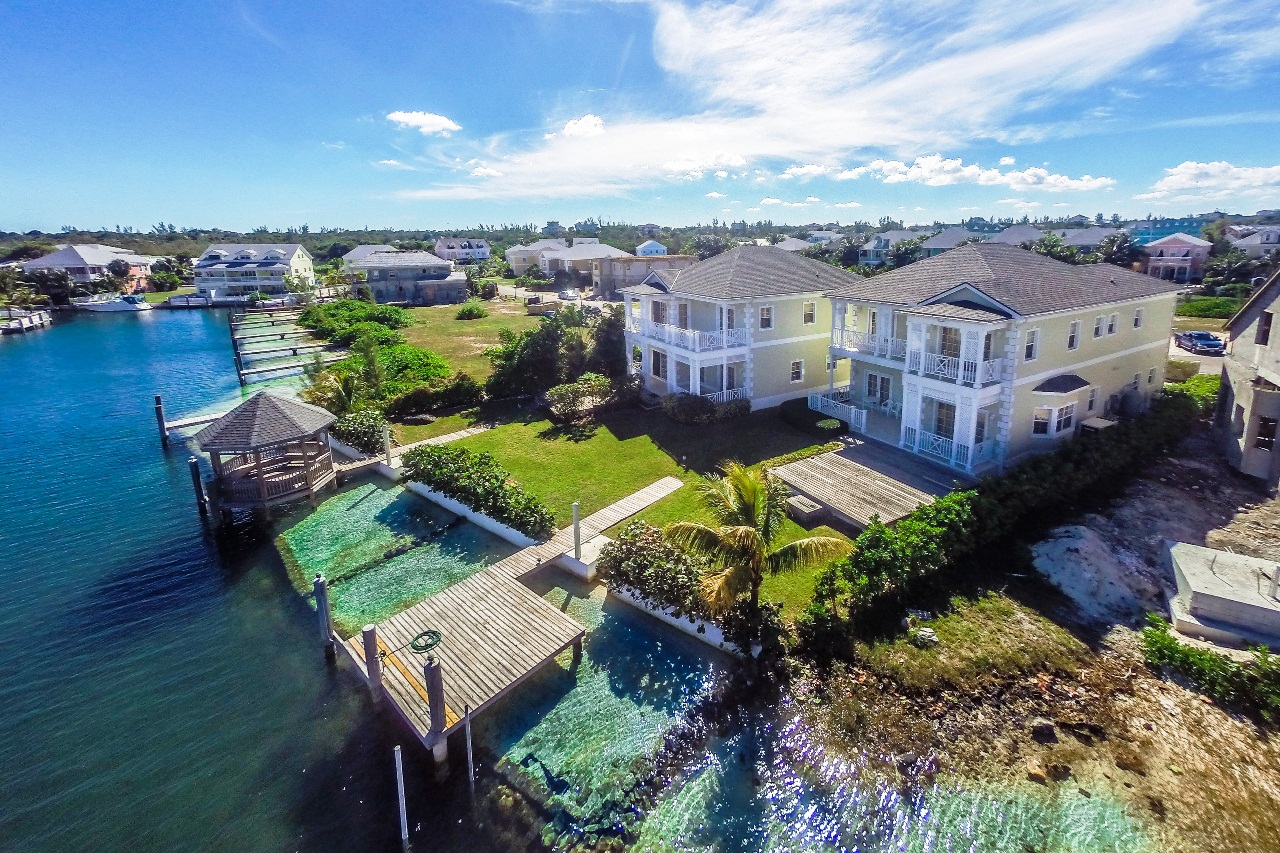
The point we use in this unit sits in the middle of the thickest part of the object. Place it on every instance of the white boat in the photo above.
(128, 302)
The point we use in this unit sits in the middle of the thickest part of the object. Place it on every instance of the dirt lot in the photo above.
(1079, 707)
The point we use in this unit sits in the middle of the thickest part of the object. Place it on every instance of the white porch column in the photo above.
(748, 368)
(915, 344)
(695, 377)
(965, 429)
(724, 373)
(909, 429)
(970, 355)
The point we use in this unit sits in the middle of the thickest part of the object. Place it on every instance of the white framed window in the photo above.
(1073, 336)
(809, 313)
(1111, 324)
(1040, 419)
(658, 365)
(1031, 345)
(797, 370)
(766, 316)
(1066, 418)
(1093, 399)
(1151, 376)
(1137, 318)
(1097, 326)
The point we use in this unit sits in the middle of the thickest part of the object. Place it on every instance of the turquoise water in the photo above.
(384, 548)
(163, 689)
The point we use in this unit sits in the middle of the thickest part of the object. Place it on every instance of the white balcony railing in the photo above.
(991, 371)
(834, 404)
(942, 366)
(953, 369)
(936, 445)
(725, 396)
(696, 340)
(870, 344)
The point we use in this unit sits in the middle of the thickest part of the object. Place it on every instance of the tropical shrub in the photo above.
(527, 362)
(456, 391)
(798, 414)
(803, 453)
(477, 480)
(658, 573)
(362, 430)
(1202, 387)
(381, 335)
(330, 320)
(694, 409)
(472, 309)
(575, 399)
(1252, 686)
(1217, 307)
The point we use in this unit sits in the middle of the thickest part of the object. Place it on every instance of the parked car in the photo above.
(570, 295)
(1200, 343)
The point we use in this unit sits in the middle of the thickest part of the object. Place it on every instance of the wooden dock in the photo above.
(496, 631)
(868, 478)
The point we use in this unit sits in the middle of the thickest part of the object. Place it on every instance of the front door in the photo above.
(944, 420)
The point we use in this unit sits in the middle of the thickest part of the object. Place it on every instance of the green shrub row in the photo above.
(1038, 491)
(643, 563)
(1216, 307)
(477, 480)
(1201, 387)
(1253, 687)
(333, 320)
(694, 409)
(803, 453)
(456, 391)
(361, 429)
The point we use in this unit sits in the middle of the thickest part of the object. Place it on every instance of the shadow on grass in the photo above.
(574, 431)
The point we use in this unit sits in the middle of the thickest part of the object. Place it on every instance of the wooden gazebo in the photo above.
(269, 450)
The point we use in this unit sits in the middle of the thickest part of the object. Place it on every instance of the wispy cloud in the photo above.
(935, 170)
(335, 146)
(1193, 181)
(428, 124)
(793, 85)
(847, 204)
(714, 194)
(395, 165)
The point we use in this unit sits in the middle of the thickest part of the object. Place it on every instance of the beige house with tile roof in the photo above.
(988, 353)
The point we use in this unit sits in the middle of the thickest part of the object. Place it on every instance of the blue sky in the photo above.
(438, 115)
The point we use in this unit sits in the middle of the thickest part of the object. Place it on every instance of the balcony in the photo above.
(838, 403)
(871, 344)
(950, 368)
(693, 340)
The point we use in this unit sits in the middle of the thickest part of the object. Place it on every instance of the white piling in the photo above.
(1275, 580)
(404, 815)
(324, 618)
(471, 766)
(577, 534)
(372, 662)
(386, 443)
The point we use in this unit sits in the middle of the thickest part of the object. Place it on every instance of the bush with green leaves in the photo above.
(1252, 686)
(658, 573)
(696, 409)
(578, 398)
(477, 480)
(361, 429)
(378, 333)
(472, 309)
(457, 391)
(886, 560)
(1202, 387)
(1215, 307)
(1179, 370)
(331, 320)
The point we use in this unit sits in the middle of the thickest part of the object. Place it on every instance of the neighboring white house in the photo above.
(359, 253)
(1178, 257)
(824, 237)
(875, 251)
(1265, 239)
(749, 323)
(465, 249)
(989, 352)
(649, 248)
(521, 258)
(89, 262)
(231, 271)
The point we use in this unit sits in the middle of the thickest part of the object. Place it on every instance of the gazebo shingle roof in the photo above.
(262, 421)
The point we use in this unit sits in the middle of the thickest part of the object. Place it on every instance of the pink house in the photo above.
(1178, 257)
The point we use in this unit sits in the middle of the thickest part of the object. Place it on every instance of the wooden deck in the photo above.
(496, 631)
(868, 478)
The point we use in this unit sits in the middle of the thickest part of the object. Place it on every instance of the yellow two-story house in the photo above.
(748, 323)
(988, 353)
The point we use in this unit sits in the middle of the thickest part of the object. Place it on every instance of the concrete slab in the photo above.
(1223, 596)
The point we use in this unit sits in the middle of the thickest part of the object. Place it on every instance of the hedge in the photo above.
(456, 391)
(331, 320)
(362, 430)
(1202, 387)
(1253, 687)
(1215, 307)
(695, 409)
(886, 559)
(477, 480)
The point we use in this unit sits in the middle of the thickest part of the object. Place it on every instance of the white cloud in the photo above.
(722, 174)
(485, 172)
(714, 194)
(778, 82)
(395, 165)
(1008, 161)
(336, 146)
(428, 124)
(1193, 181)
(771, 201)
(1062, 204)
(1020, 203)
(809, 171)
(812, 199)
(847, 204)
(753, 210)
(935, 170)
(588, 125)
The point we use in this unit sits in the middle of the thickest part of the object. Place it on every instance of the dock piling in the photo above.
(404, 814)
(471, 764)
(434, 678)
(164, 430)
(386, 443)
(324, 617)
(202, 502)
(577, 534)
(372, 662)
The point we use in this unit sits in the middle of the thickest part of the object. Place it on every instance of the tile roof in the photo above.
(1180, 237)
(263, 420)
(1091, 236)
(588, 252)
(963, 310)
(359, 253)
(641, 290)
(401, 259)
(86, 255)
(1022, 281)
(1017, 235)
(748, 272)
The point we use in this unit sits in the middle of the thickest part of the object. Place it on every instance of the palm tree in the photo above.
(749, 508)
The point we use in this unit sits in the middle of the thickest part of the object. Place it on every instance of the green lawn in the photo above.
(462, 342)
(500, 411)
(629, 450)
(1198, 324)
(156, 297)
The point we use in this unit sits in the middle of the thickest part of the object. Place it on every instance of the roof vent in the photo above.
(1113, 279)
